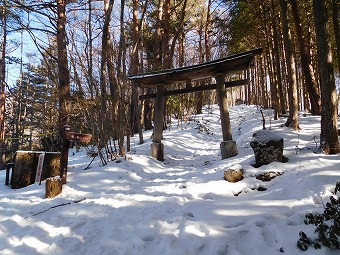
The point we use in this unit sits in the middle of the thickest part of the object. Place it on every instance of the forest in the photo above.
(83, 51)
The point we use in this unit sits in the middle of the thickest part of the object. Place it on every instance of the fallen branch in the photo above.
(91, 162)
(55, 206)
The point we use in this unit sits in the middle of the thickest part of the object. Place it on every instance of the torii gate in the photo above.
(217, 69)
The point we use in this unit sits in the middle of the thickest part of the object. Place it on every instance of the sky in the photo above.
(182, 206)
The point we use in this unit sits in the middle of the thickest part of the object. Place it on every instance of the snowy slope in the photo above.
(182, 205)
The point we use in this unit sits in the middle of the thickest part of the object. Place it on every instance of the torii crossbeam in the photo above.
(217, 69)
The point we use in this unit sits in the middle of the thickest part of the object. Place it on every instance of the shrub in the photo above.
(327, 225)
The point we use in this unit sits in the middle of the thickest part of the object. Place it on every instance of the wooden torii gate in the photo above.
(217, 69)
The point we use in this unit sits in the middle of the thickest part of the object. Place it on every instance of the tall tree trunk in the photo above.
(206, 56)
(64, 83)
(273, 88)
(105, 54)
(179, 35)
(335, 15)
(157, 64)
(90, 42)
(63, 71)
(264, 92)
(277, 64)
(148, 112)
(329, 114)
(3, 38)
(121, 78)
(306, 65)
(108, 5)
(158, 58)
(165, 24)
(135, 120)
(293, 120)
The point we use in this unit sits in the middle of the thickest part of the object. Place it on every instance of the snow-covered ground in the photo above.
(182, 205)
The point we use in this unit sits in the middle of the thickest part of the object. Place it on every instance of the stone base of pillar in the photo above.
(228, 149)
(157, 151)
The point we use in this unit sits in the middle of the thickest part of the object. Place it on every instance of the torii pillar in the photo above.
(157, 148)
(228, 146)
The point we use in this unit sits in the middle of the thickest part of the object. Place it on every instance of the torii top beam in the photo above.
(237, 62)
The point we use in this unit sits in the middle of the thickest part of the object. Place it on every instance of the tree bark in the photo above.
(158, 39)
(64, 83)
(121, 71)
(89, 55)
(329, 114)
(63, 71)
(135, 117)
(165, 24)
(273, 88)
(335, 15)
(3, 88)
(277, 65)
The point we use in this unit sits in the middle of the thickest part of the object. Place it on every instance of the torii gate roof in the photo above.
(232, 63)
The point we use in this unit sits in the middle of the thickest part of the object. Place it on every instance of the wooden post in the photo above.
(53, 187)
(228, 146)
(64, 154)
(223, 104)
(157, 148)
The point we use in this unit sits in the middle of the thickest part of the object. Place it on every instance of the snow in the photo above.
(264, 136)
(182, 205)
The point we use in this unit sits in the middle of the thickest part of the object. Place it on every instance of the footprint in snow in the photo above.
(190, 214)
(148, 238)
(208, 196)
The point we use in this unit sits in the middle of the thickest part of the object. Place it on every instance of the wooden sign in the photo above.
(40, 167)
(78, 137)
(67, 138)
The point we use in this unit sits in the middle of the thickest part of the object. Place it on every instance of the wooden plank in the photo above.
(231, 84)
(228, 84)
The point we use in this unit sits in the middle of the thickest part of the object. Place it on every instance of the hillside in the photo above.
(182, 205)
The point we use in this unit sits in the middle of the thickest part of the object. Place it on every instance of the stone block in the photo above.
(267, 146)
(228, 149)
(157, 151)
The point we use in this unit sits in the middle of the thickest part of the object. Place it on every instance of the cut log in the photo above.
(53, 187)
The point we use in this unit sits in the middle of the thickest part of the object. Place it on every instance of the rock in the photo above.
(261, 189)
(267, 146)
(268, 176)
(234, 174)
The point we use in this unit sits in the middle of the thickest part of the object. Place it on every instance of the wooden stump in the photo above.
(53, 187)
